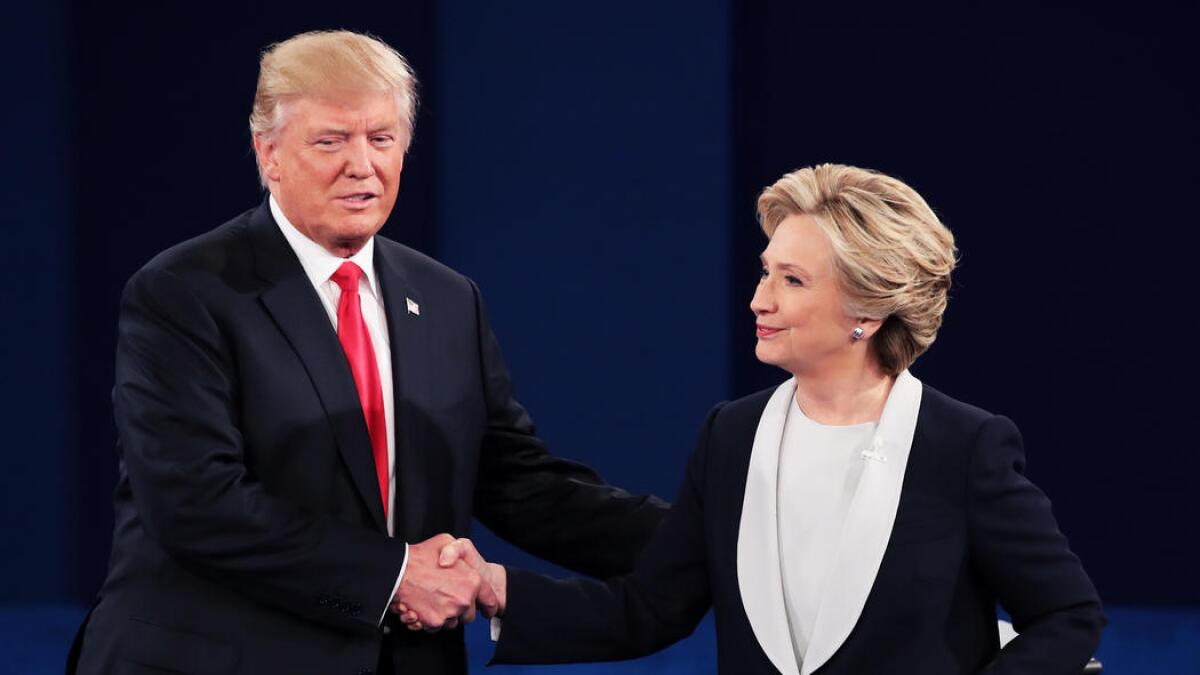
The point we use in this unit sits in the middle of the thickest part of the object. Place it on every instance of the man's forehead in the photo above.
(377, 110)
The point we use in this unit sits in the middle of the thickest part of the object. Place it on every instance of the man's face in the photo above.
(335, 167)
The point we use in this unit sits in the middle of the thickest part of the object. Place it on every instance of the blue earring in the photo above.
(857, 334)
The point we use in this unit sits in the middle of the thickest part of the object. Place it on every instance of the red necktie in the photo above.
(356, 341)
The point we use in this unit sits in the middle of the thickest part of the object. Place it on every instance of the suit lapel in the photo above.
(868, 525)
(292, 302)
(760, 580)
(410, 339)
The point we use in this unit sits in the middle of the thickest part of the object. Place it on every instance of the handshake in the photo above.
(444, 582)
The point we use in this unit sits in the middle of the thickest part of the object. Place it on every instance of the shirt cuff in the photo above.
(497, 624)
(399, 577)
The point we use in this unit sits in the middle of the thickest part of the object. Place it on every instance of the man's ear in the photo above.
(268, 160)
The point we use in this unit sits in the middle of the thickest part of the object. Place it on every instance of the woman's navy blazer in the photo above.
(970, 531)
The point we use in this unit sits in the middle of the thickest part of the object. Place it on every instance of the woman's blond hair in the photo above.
(892, 255)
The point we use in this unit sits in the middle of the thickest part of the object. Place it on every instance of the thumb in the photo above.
(450, 554)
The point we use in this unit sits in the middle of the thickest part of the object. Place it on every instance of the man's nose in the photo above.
(358, 159)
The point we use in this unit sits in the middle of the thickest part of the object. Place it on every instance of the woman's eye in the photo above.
(762, 274)
(793, 281)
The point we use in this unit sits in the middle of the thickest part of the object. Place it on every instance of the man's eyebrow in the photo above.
(331, 131)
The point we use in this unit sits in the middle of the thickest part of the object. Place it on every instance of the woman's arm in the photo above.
(557, 621)
(1024, 558)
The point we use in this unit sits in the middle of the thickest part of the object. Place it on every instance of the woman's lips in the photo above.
(766, 331)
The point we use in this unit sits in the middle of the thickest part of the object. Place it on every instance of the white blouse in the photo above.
(819, 470)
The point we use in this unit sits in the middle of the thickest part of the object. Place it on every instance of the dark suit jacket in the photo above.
(250, 536)
(969, 530)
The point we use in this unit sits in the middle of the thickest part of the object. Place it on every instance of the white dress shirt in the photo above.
(819, 469)
(319, 265)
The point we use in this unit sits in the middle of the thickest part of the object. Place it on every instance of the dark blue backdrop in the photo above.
(595, 170)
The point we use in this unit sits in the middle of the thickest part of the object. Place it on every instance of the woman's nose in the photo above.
(762, 302)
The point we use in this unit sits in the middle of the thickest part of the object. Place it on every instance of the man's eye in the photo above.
(382, 140)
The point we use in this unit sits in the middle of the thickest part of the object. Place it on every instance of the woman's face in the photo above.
(801, 325)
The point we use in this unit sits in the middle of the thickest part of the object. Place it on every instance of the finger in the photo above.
(469, 553)
(415, 626)
(409, 618)
(469, 615)
(489, 609)
(487, 599)
(450, 554)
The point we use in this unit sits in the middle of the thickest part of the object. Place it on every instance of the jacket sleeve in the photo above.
(570, 620)
(553, 508)
(176, 413)
(1024, 558)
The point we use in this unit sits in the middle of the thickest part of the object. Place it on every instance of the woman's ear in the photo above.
(865, 329)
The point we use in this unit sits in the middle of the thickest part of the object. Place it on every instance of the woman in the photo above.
(850, 520)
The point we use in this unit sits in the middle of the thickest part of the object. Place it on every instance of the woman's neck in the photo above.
(844, 396)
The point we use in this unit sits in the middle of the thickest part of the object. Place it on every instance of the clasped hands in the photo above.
(444, 583)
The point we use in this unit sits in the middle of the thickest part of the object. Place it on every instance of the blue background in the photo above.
(594, 168)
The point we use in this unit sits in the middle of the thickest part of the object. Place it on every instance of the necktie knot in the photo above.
(347, 276)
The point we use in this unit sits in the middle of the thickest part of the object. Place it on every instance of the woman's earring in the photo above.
(857, 334)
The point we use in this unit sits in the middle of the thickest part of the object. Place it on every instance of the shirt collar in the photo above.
(318, 263)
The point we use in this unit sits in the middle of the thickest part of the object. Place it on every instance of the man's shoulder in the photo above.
(217, 251)
(420, 267)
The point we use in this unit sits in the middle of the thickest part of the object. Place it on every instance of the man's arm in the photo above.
(177, 415)
(556, 509)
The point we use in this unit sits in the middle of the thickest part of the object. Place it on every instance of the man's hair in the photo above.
(892, 255)
(329, 64)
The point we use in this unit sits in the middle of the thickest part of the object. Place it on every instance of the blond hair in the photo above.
(329, 63)
(892, 255)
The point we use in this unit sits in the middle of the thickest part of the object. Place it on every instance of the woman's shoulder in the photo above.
(733, 419)
(744, 411)
(948, 417)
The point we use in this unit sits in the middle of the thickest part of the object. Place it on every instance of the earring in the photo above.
(857, 334)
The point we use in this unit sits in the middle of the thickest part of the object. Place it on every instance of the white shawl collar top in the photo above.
(867, 528)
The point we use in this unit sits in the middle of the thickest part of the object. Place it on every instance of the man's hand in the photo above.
(437, 595)
(453, 554)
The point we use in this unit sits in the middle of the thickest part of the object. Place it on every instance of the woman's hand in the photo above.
(494, 575)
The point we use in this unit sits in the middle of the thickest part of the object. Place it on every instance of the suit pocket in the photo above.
(175, 651)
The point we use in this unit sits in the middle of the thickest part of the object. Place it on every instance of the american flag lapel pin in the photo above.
(413, 308)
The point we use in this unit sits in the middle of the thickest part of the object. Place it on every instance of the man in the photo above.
(306, 409)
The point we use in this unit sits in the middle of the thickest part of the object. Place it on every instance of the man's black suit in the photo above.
(249, 536)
